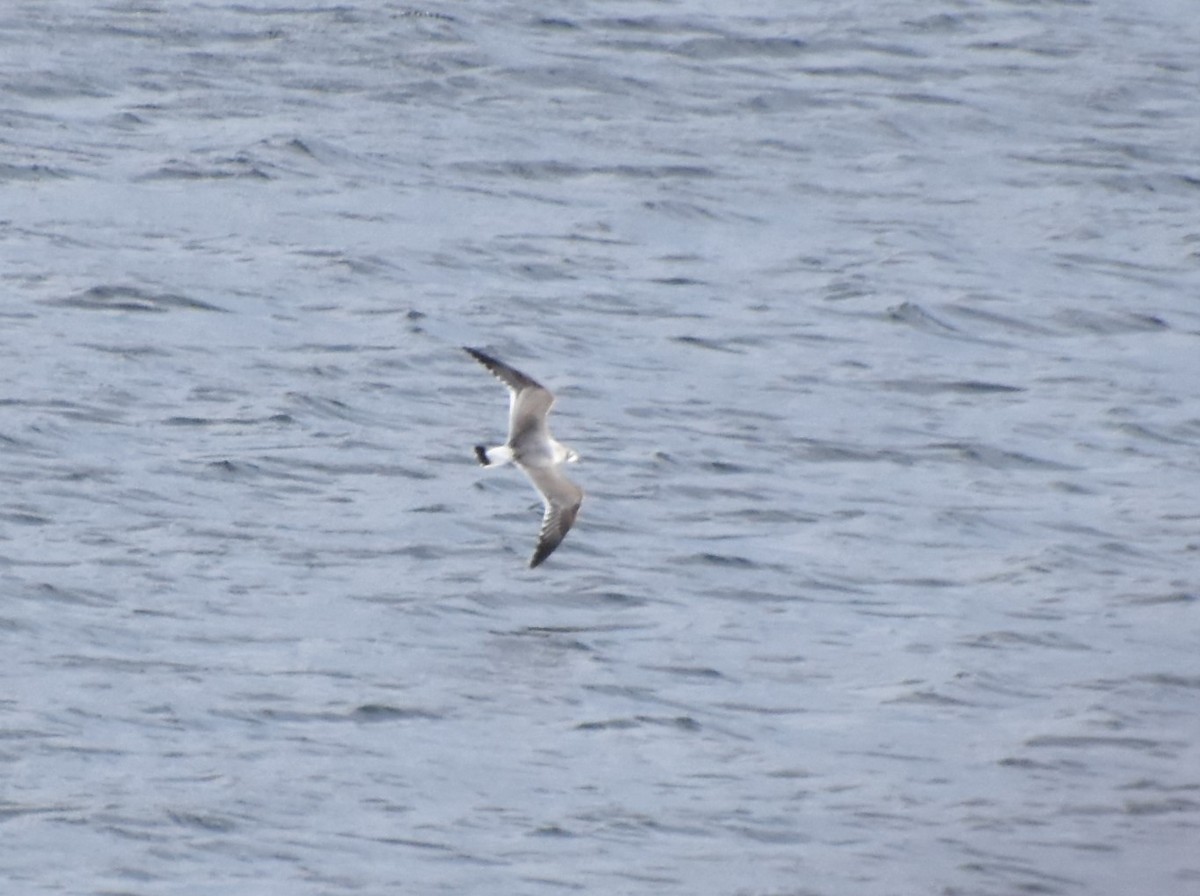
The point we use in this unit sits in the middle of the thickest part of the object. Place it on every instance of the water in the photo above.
(875, 324)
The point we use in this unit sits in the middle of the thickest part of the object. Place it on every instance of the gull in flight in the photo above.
(538, 454)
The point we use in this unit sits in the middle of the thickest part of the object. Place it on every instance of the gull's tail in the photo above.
(493, 457)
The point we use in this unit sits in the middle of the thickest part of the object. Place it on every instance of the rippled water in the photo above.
(876, 325)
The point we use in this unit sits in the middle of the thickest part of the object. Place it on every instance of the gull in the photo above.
(537, 453)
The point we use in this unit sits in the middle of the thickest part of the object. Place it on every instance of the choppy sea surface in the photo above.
(877, 325)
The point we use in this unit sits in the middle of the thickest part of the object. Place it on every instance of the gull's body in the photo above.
(538, 454)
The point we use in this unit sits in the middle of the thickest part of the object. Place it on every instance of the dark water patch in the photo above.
(992, 458)
(1171, 680)
(126, 121)
(683, 210)
(1073, 159)
(553, 170)
(346, 468)
(1182, 185)
(1170, 597)
(1072, 488)
(733, 47)
(379, 712)
(866, 73)
(651, 24)
(544, 273)
(749, 594)
(676, 281)
(186, 170)
(843, 289)
(1090, 741)
(555, 23)
(243, 470)
(721, 467)
(24, 517)
(925, 582)
(922, 98)
(558, 640)
(717, 345)
(766, 515)
(934, 387)
(1015, 876)
(927, 698)
(200, 422)
(679, 723)
(128, 352)
(132, 298)
(615, 598)
(1048, 640)
(822, 450)
(32, 173)
(1006, 322)
(1164, 806)
(354, 556)
(52, 593)
(332, 408)
(15, 445)
(557, 630)
(924, 321)
(117, 663)
(16, 810)
(554, 830)
(1121, 267)
(215, 824)
(1074, 528)
(1143, 432)
(48, 84)
(759, 709)
(762, 834)
(13, 625)
(370, 712)
(1009, 686)
(416, 844)
(365, 265)
(920, 319)
(1084, 321)
(695, 672)
(730, 561)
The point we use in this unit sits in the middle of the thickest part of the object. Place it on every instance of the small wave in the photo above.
(31, 173)
(995, 458)
(132, 298)
(933, 387)
(682, 723)
(1088, 741)
(185, 169)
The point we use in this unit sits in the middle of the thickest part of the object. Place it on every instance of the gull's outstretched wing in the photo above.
(562, 498)
(510, 376)
(530, 403)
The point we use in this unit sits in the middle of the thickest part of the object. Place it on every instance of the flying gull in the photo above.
(539, 455)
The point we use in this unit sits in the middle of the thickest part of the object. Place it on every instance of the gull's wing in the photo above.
(530, 400)
(510, 376)
(562, 498)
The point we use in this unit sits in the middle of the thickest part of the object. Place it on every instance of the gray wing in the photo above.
(530, 400)
(562, 498)
(510, 376)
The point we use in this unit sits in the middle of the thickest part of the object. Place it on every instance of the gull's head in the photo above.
(565, 455)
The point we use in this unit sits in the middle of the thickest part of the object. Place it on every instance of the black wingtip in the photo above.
(542, 551)
(481, 453)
